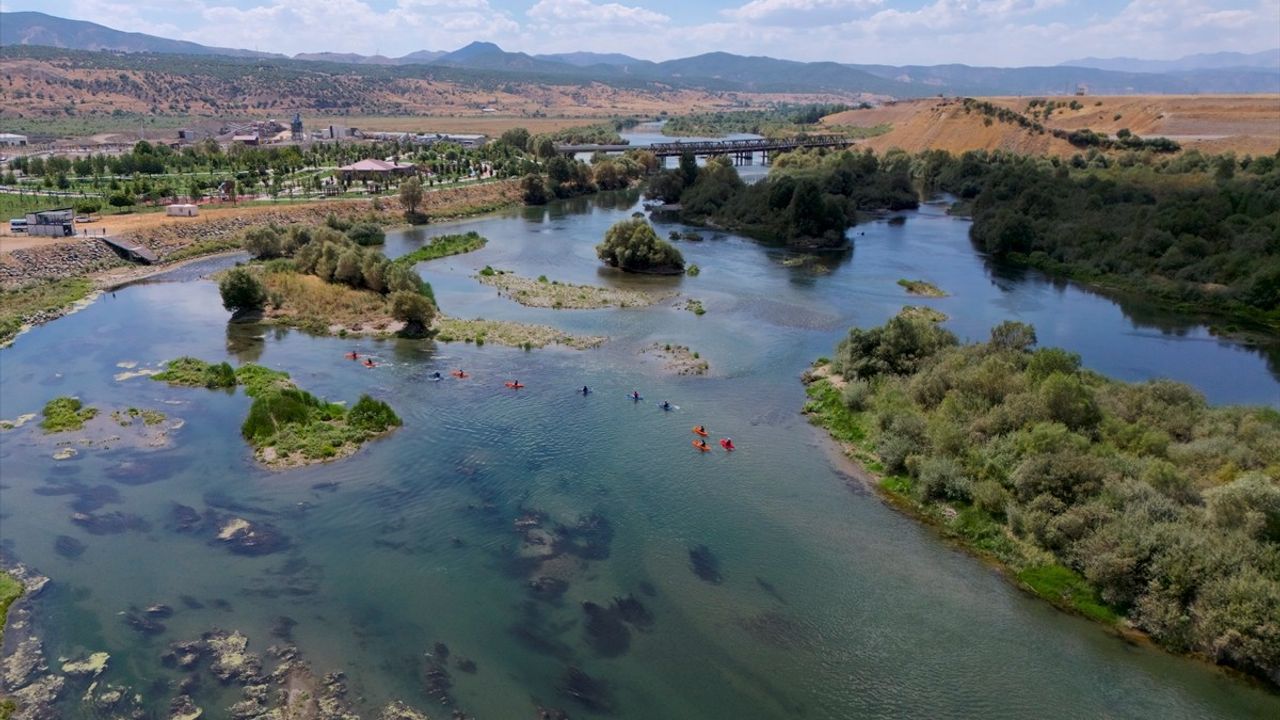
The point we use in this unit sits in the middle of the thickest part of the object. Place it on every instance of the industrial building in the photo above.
(12, 139)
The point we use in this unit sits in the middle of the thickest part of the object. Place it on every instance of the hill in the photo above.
(1243, 124)
(727, 72)
(36, 28)
(1267, 60)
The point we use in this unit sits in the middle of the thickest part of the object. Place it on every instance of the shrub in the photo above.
(372, 416)
(413, 309)
(633, 245)
(366, 234)
(241, 291)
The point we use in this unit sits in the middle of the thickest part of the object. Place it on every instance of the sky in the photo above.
(897, 32)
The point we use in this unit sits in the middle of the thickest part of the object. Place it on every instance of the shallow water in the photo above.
(827, 605)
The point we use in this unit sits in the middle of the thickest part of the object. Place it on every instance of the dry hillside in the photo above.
(1210, 123)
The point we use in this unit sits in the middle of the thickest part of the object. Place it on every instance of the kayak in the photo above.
(669, 407)
(726, 443)
(458, 374)
(700, 446)
(636, 398)
(514, 385)
(696, 431)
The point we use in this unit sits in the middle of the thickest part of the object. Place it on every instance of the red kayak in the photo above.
(701, 445)
(513, 385)
(726, 443)
(459, 374)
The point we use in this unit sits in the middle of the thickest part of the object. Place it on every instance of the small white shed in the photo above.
(182, 210)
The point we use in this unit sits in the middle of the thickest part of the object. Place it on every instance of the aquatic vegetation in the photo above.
(592, 693)
(126, 417)
(922, 312)
(693, 270)
(10, 590)
(286, 425)
(68, 547)
(193, 372)
(511, 334)
(705, 564)
(606, 633)
(555, 294)
(695, 307)
(922, 288)
(679, 359)
(63, 414)
(1113, 500)
(443, 246)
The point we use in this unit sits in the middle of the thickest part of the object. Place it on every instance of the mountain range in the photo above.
(720, 71)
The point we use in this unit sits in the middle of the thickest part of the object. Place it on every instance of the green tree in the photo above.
(242, 292)
(411, 195)
(263, 242)
(414, 310)
(632, 245)
(367, 234)
(534, 189)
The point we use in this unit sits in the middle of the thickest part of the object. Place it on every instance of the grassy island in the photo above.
(63, 414)
(444, 246)
(922, 288)
(1131, 503)
(288, 426)
(633, 246)
(555, 294)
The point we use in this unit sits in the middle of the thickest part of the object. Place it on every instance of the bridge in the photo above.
(703, 148)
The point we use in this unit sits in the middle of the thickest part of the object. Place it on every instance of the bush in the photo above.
(121, 200)
(856, 394)
(241, 291)
(534, 190)
(414, 310)
(264, 242)
(366, 234)
(632, 245)
(372, 416)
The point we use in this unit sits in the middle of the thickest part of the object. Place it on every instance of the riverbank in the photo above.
(1080, 489)
(43, 283)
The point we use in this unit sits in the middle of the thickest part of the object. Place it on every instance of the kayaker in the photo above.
(702, 444)
(727, 443)
(666, 405)
(435, 375)
(585, 389)
(353, 355)
(700, 430)
(635, 394)
(368, 362)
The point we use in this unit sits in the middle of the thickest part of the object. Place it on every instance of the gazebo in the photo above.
(377, 170)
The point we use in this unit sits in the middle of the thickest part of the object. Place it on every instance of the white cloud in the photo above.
(581, 13)
(801, 12)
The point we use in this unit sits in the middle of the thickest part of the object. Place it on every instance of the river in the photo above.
(828, 604)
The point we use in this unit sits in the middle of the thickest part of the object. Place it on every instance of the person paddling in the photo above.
(635, 394)
(353, 355)
(666, 405)
(368, 362)
(585, 389)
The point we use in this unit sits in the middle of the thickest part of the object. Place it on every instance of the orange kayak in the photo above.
(458, 374)
(696, 431)
(514, 385)
(701, 446)
(726, 443)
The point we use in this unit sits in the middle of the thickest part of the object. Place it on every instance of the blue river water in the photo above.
(813, 599)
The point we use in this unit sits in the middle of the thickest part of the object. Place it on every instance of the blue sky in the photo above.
(976, 32)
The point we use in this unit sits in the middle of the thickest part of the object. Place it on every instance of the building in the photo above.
(295, 127)
(245, 139)
(181, 210)
(59, 222)
(12, 139)
(377, 170)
